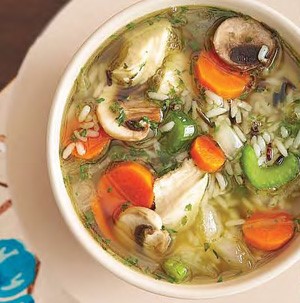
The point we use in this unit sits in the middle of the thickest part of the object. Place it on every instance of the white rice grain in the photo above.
(204, 126)
(194, 110)
(281, 147)
(216, 112)
(222, 202)
(92, 133)
(262, 160)
(257, 150)
(89, 118)
(87, 125)
(297, 140)
(253, 140)
(84, 113)
(221, 181)
(240, 133)
(261, 142)
(229, 168)
(68, 151)
(244, 105)
(284, 132)
(288, 143)
(267, 137)
(238, 117)
(156, 146)
(239, 180)
(214, 97)
(80, 149)
(237, 222)
(234, 109)
(262, 55)
(237, 169)
(167, 127)
(226, 105)
(158, 96)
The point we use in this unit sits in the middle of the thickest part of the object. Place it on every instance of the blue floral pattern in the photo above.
(17, 270)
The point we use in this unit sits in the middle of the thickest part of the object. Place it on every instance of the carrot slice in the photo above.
(212, 74)
(268, 230)
(125, 184)
(94, 146)
(207, 154)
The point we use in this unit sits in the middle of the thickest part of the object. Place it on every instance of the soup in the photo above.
(180, 144)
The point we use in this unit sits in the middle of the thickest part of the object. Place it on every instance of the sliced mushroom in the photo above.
(245, 43)
(178, 195)
(133, 110)
(142, 53)
(144, 226)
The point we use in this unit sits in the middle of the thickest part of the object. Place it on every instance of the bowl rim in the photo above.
(263, 274)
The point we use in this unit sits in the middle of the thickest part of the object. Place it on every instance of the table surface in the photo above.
(20, 24)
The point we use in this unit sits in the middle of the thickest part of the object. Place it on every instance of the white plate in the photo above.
(61, 254)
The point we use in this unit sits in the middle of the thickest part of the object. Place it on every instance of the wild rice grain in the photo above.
(216, 112)
(240, 133)
(281, 147)
(257, 150)
(84, 113)
(68, 151)
(221, 180)
(297, 140)
(80, 149)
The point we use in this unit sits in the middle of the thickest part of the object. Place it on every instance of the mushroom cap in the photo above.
(238, 41)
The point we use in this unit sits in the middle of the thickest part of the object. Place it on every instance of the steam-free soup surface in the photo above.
(180, 144)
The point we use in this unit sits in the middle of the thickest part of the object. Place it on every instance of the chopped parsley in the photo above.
(89, 217)
(188, 207)
(83, 133)
(117, 109)
(100, 100)
(184, 220)
(169, 230)
(125, 205)
(153, 125)
(131, 261)
(220, 279)
(84, 171)
(109, 190)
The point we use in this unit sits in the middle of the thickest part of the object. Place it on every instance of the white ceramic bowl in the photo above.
(287, 258)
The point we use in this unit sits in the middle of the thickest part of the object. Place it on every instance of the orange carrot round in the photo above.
(207, 154)
(94, 146)
(213, 75)
(269, 230)
(123, 185)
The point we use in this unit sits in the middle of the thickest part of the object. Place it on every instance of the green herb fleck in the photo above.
(100, 100)
(220, 279)
(188, 207)
(117, 109)
(130, 26)
(125, 65)
(184, 220)
(161, 276)
(109, 190)
(216, 254)
(206, 246)
(84, 171)
(125, 205)
(248, 39)
(114, 36)
(131, 261)
(194, 45)
(83, 133)
(89, 217)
